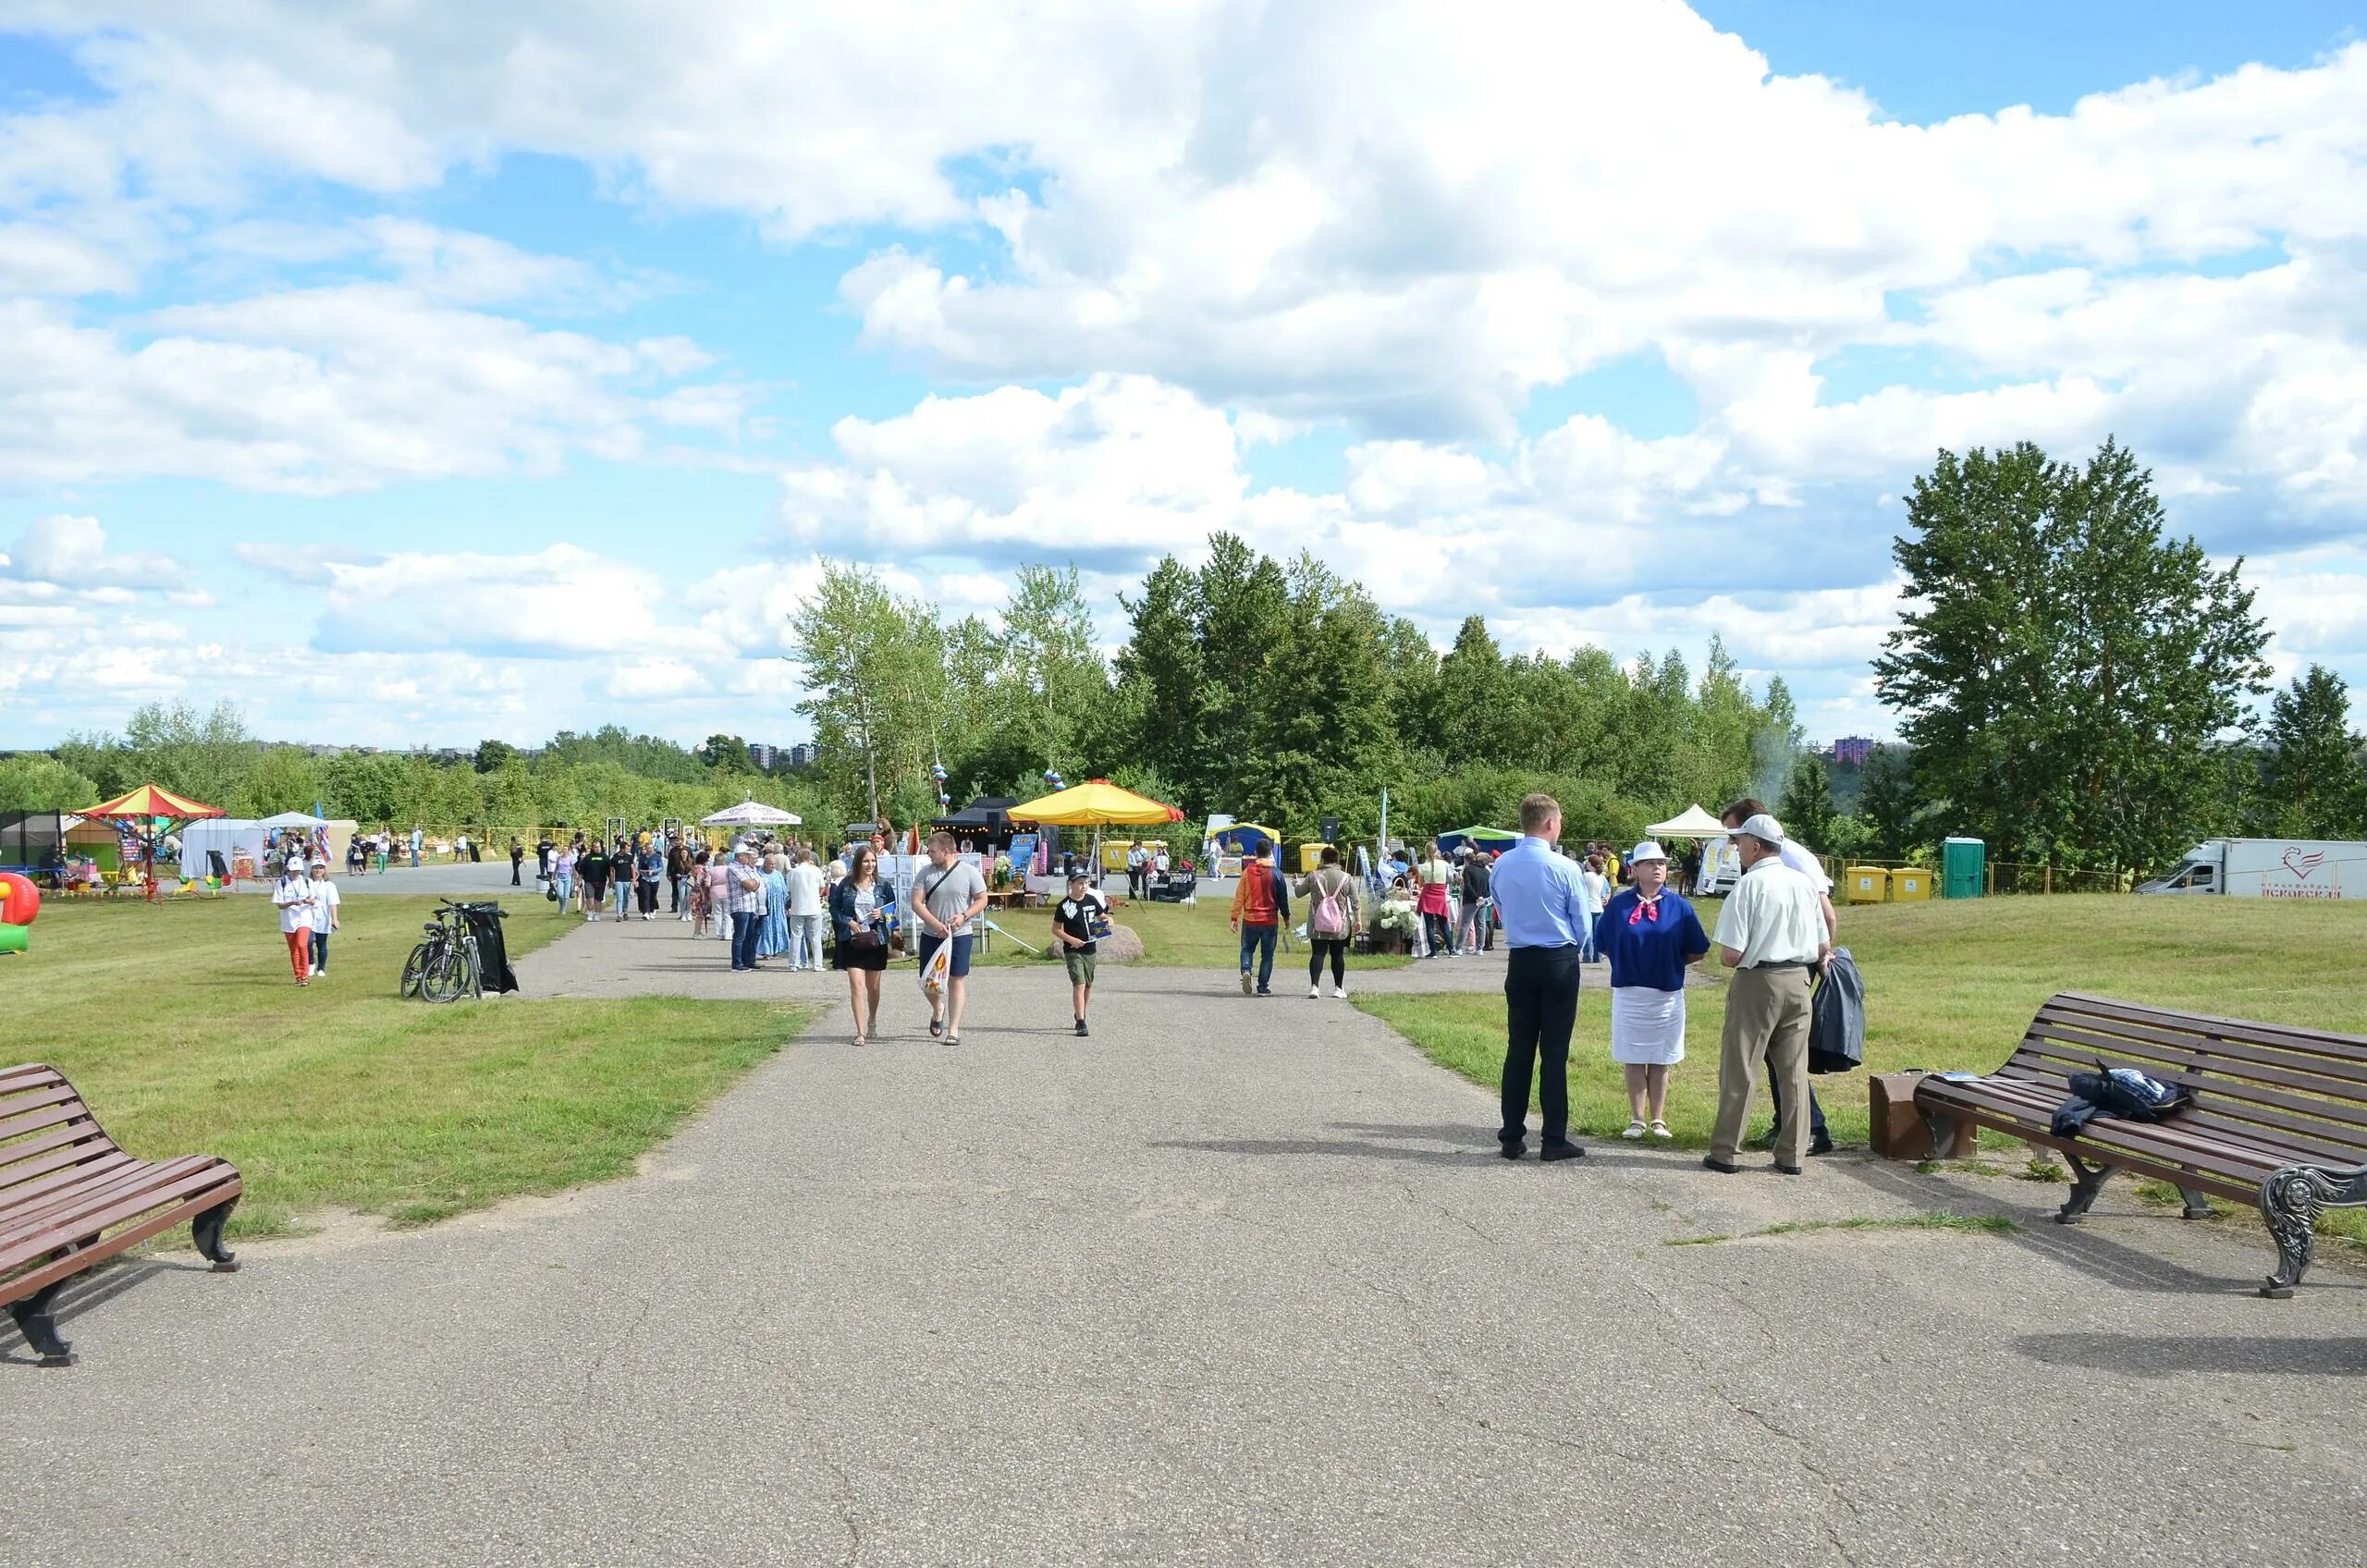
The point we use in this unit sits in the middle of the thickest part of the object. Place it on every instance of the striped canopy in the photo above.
(150, 801)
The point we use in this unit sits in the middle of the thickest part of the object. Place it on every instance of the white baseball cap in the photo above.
(1762, 827)
(1648, 850)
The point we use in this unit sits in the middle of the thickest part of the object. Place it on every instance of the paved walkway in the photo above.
(1230, 1282)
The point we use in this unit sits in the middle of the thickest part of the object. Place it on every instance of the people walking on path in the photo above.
(1542, 907)
(620, 875)
(292, 895)
(719, 892)
(805, 913)
(1260, 902)
(563, 876)
(326, 899)
(1078, 921)
(678, 879)
(772, 935)
(1649, 933)
(1800, 858)
(517, 862)
(592, 871)
(1432, 875)
(1476, 927)
(859, 907)
(1333, 920)
(1771, 934)
(947, 897)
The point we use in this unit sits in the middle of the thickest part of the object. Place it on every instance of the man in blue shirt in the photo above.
(1542, 905)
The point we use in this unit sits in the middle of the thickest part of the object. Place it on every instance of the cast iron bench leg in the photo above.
(39, 1329)
(2198, 1202)
(207, 1231)
(2290, 1201)
(2091, 1181)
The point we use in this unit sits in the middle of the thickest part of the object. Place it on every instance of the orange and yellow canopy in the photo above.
(150, 801)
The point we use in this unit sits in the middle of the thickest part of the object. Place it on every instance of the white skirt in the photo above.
(1647, 1026)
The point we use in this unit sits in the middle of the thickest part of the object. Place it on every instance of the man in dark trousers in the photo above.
(1542, 905)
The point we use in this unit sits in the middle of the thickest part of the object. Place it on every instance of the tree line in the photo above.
(2070, 683)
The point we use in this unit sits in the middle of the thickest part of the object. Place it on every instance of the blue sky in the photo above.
(426, 374)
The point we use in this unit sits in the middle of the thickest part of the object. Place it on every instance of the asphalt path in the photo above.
(1233, 1281)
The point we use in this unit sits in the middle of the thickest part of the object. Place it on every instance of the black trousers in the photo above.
(1333, 947)
(1540, 1008)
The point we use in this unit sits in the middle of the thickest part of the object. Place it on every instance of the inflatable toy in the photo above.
(20, 901)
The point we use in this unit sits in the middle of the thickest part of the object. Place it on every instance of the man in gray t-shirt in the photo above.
(947, 896)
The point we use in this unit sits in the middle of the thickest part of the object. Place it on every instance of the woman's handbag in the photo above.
(863, 939)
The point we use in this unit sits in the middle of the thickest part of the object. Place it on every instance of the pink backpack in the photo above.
(1329, 918)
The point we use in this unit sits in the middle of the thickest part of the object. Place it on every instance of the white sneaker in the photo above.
(1340, 992)
(1313, 992)
(1632, 1130)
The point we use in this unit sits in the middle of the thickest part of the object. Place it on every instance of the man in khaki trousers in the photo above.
(1771, 934)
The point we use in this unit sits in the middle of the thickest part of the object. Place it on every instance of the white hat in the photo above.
(1762, 827)
(1648, 850)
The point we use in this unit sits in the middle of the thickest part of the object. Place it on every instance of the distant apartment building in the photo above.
(803, 755)
(1853, 749)
(765, 757)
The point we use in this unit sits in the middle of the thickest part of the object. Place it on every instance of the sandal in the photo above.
(1659, 1130)
(1633, 1130)
(935, 1028)
(954, 1039)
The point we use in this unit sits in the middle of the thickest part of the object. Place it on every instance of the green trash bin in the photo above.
(1964, 864)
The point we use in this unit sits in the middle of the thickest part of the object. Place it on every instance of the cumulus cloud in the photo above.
(556, 602)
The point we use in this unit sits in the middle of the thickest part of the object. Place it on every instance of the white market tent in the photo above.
(293, 819)
(1694, 824)
(752, 814)
(228, 836)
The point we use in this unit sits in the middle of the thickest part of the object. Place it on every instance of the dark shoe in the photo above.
(1512, 1148)
(1765, 1140)
(1264, 992)
(935, 1028)
(1787, 1169)
(1720, 1166)
(1081, 1030)
(1822, 1146)
(1564, 1149)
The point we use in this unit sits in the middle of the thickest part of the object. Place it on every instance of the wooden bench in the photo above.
(70, 1199)
(2279, 1116)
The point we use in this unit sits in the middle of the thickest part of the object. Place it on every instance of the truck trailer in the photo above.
(2269, 868)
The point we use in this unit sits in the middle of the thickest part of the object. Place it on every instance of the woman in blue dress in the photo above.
(1650, 935)
(772, 936)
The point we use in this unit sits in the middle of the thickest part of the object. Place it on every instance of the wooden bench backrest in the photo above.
(2297, 1089)
(46, 1132)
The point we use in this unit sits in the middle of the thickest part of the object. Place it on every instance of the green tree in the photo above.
(1806, 810)
(491, 754)
(32, 781)
(727, 755)
(1886, 804)
(2064, 673)
(2309, 780)
(282, 779)
(1322, 738)
(875, 680)
(203, 758)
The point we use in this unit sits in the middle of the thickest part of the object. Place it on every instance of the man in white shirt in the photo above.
(805, 917)
(417, 838)
(1771, 934)
(1801, 858)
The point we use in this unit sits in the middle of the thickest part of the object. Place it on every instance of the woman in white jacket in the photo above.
(294, 897)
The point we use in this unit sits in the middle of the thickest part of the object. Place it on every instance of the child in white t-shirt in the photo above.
(323, 912)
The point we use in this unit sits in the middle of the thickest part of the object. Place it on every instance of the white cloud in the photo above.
(558, 601)
(654, 680)
(71, 552)
(314, 390)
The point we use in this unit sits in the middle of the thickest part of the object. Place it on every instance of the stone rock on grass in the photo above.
(1121, 946)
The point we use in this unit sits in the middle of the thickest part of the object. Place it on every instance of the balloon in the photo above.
(19, 899)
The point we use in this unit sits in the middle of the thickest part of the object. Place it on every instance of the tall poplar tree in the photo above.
(2063, 671)
(2310, 784)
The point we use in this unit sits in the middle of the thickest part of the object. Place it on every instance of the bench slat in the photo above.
(27, 1076)
(2234, 1061)
(65, 1167)
(55, 1211)
(2345, 1049)
(74, 1224)
(2238, 1187)
(2111, 1142)
(14, 1105)
(122, 1241)
(79, 1134)
(2318, 1122)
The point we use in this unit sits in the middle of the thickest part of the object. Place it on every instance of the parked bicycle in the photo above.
(444, 966)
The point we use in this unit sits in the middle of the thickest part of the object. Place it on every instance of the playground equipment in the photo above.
(20, 901)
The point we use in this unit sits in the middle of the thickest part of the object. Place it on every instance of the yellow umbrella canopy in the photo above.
(1094, 804)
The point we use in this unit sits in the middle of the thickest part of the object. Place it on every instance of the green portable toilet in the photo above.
(1963, 868)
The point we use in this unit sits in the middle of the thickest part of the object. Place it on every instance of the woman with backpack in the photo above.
(1331, 919)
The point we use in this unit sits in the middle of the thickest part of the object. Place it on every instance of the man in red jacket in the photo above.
(1260, 903)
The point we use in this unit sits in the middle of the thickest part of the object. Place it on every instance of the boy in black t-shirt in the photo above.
(1079, 922)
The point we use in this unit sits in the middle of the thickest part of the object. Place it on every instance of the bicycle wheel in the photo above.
(447, 976)
(414, 969)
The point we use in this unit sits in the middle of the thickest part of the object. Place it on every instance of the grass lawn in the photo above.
(1952, 986)
(185, 1032)
(1175, 937)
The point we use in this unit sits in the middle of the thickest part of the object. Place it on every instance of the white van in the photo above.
(2269, 868)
